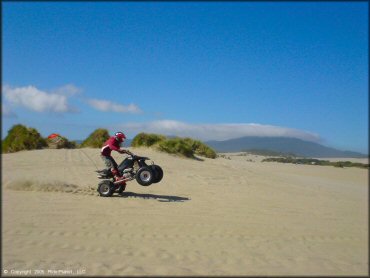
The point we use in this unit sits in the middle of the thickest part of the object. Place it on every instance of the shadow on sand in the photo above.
(160, 198)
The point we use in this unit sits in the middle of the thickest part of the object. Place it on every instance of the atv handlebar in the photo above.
(126, 152)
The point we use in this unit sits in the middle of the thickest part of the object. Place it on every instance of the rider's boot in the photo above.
(116, 174)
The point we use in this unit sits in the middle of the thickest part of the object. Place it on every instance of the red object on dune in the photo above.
(53, 135)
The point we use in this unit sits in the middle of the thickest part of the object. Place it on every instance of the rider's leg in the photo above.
(111, 163)
(117, 175)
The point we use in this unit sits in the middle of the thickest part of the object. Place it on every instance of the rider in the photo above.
(113, 143)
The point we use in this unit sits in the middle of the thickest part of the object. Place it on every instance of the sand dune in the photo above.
(234, 216)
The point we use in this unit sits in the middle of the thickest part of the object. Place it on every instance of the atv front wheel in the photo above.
(144, 176)
(158, 173)
(106, 188)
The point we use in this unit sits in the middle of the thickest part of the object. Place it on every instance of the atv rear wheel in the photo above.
(144, 176)
(106, 188)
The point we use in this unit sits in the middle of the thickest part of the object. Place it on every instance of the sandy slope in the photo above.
(234, 216)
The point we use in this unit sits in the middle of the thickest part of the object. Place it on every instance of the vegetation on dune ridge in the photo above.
(176, 146)
(181, 146)
(312, 161)
(146, 139)
(200, 148)
(61, 143)
(96, 139)
(21, 138)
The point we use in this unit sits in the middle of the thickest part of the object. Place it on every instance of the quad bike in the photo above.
(132, 167)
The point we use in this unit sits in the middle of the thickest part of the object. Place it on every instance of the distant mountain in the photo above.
(281, 145)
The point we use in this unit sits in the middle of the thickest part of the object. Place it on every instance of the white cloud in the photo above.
(7, 112)
(37, 100)
(217, 131)
(108, 106)
(68, 90)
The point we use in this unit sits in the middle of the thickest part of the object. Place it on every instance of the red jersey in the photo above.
(109, 145)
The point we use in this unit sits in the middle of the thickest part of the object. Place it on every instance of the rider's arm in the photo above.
(116, 148)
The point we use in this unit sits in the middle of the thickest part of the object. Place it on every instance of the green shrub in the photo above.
(147, 139)
(183, 146)
(69, 144)
(176, 146)
(20, 138)
(200, 148)
(96, 139)
(60, 143)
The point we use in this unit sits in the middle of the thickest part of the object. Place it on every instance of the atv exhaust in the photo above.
(122, 181)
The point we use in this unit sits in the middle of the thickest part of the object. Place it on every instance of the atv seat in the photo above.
(141, 157)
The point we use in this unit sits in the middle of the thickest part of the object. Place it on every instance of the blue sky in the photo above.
(210, 70)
